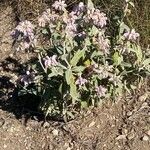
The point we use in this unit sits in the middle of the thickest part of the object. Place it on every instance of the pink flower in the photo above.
(131, 35)
(101, 91)
(81, 81)
(71, 29)
(79, 9)
(48, 17)
(59, 5)
(42, 22)
(115, 79)
(103, 44)
(99, 18)
(26, 28)
(28, 78)
(50, 61)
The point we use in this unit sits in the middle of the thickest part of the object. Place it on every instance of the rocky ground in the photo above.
(124, 125)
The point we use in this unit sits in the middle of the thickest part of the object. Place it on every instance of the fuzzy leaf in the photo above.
(78, 55)
(117, 58)
(146, 62)
(73, 92)
(90, 4)
(68, 76)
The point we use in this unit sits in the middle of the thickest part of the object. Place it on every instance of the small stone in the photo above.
(11, 55)
(5, 146)
(91, 124)
(129, 113)
(55, 132)
(124, 131)
(46, 125)
(121, 137)
(131, 136)
(145, 138)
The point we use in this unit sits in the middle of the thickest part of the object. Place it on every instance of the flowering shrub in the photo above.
(80, 66)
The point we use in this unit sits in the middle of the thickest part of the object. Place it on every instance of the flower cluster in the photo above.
(103, 44)
(97, 17)
(101, 91)
(27, 79)
(59, 5)
(25, 29)
(80, 63)
(81, 81)
(131, 35)
(48, 18)
(50, 61)
(79, 8)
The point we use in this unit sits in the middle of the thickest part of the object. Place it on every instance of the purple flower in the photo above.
(28, 78)
(79, 8)
(81, 81)
(50, 61)
(82, 35)
(131, 35)
(103, 44)
(71, 29)
(115, 79)
(48, 17)
(99, 18)
(59, 5)
(101, 91)
(26, 30)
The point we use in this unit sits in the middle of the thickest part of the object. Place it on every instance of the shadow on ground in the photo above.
(21, 106)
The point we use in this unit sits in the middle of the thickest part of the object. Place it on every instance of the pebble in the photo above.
(91, 124)
(129, 113)
(121, 137)
(46, 125)
(131, 136)
(145, 138)
(55, 132)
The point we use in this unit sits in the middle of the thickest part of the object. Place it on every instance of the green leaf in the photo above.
(87, 42)
(90, 4)
(44, 31)
(146, 62)
(139, 54)
(77, 56)
(69, 77)
(73, 92)
(125, 64)
(78, 69)
(94, 30)
(123, 27)
(84, 104)
(97, 53)
(117, 58)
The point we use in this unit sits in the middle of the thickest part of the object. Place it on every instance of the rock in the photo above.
(121, 137)
(46, 125)
(145, 138)
(91, 124)
(129, 113)
(131, 136)
(55, 132)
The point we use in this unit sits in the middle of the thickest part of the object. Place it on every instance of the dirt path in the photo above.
(123, 126)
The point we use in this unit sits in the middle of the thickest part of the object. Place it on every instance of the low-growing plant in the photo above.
(80, 64)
